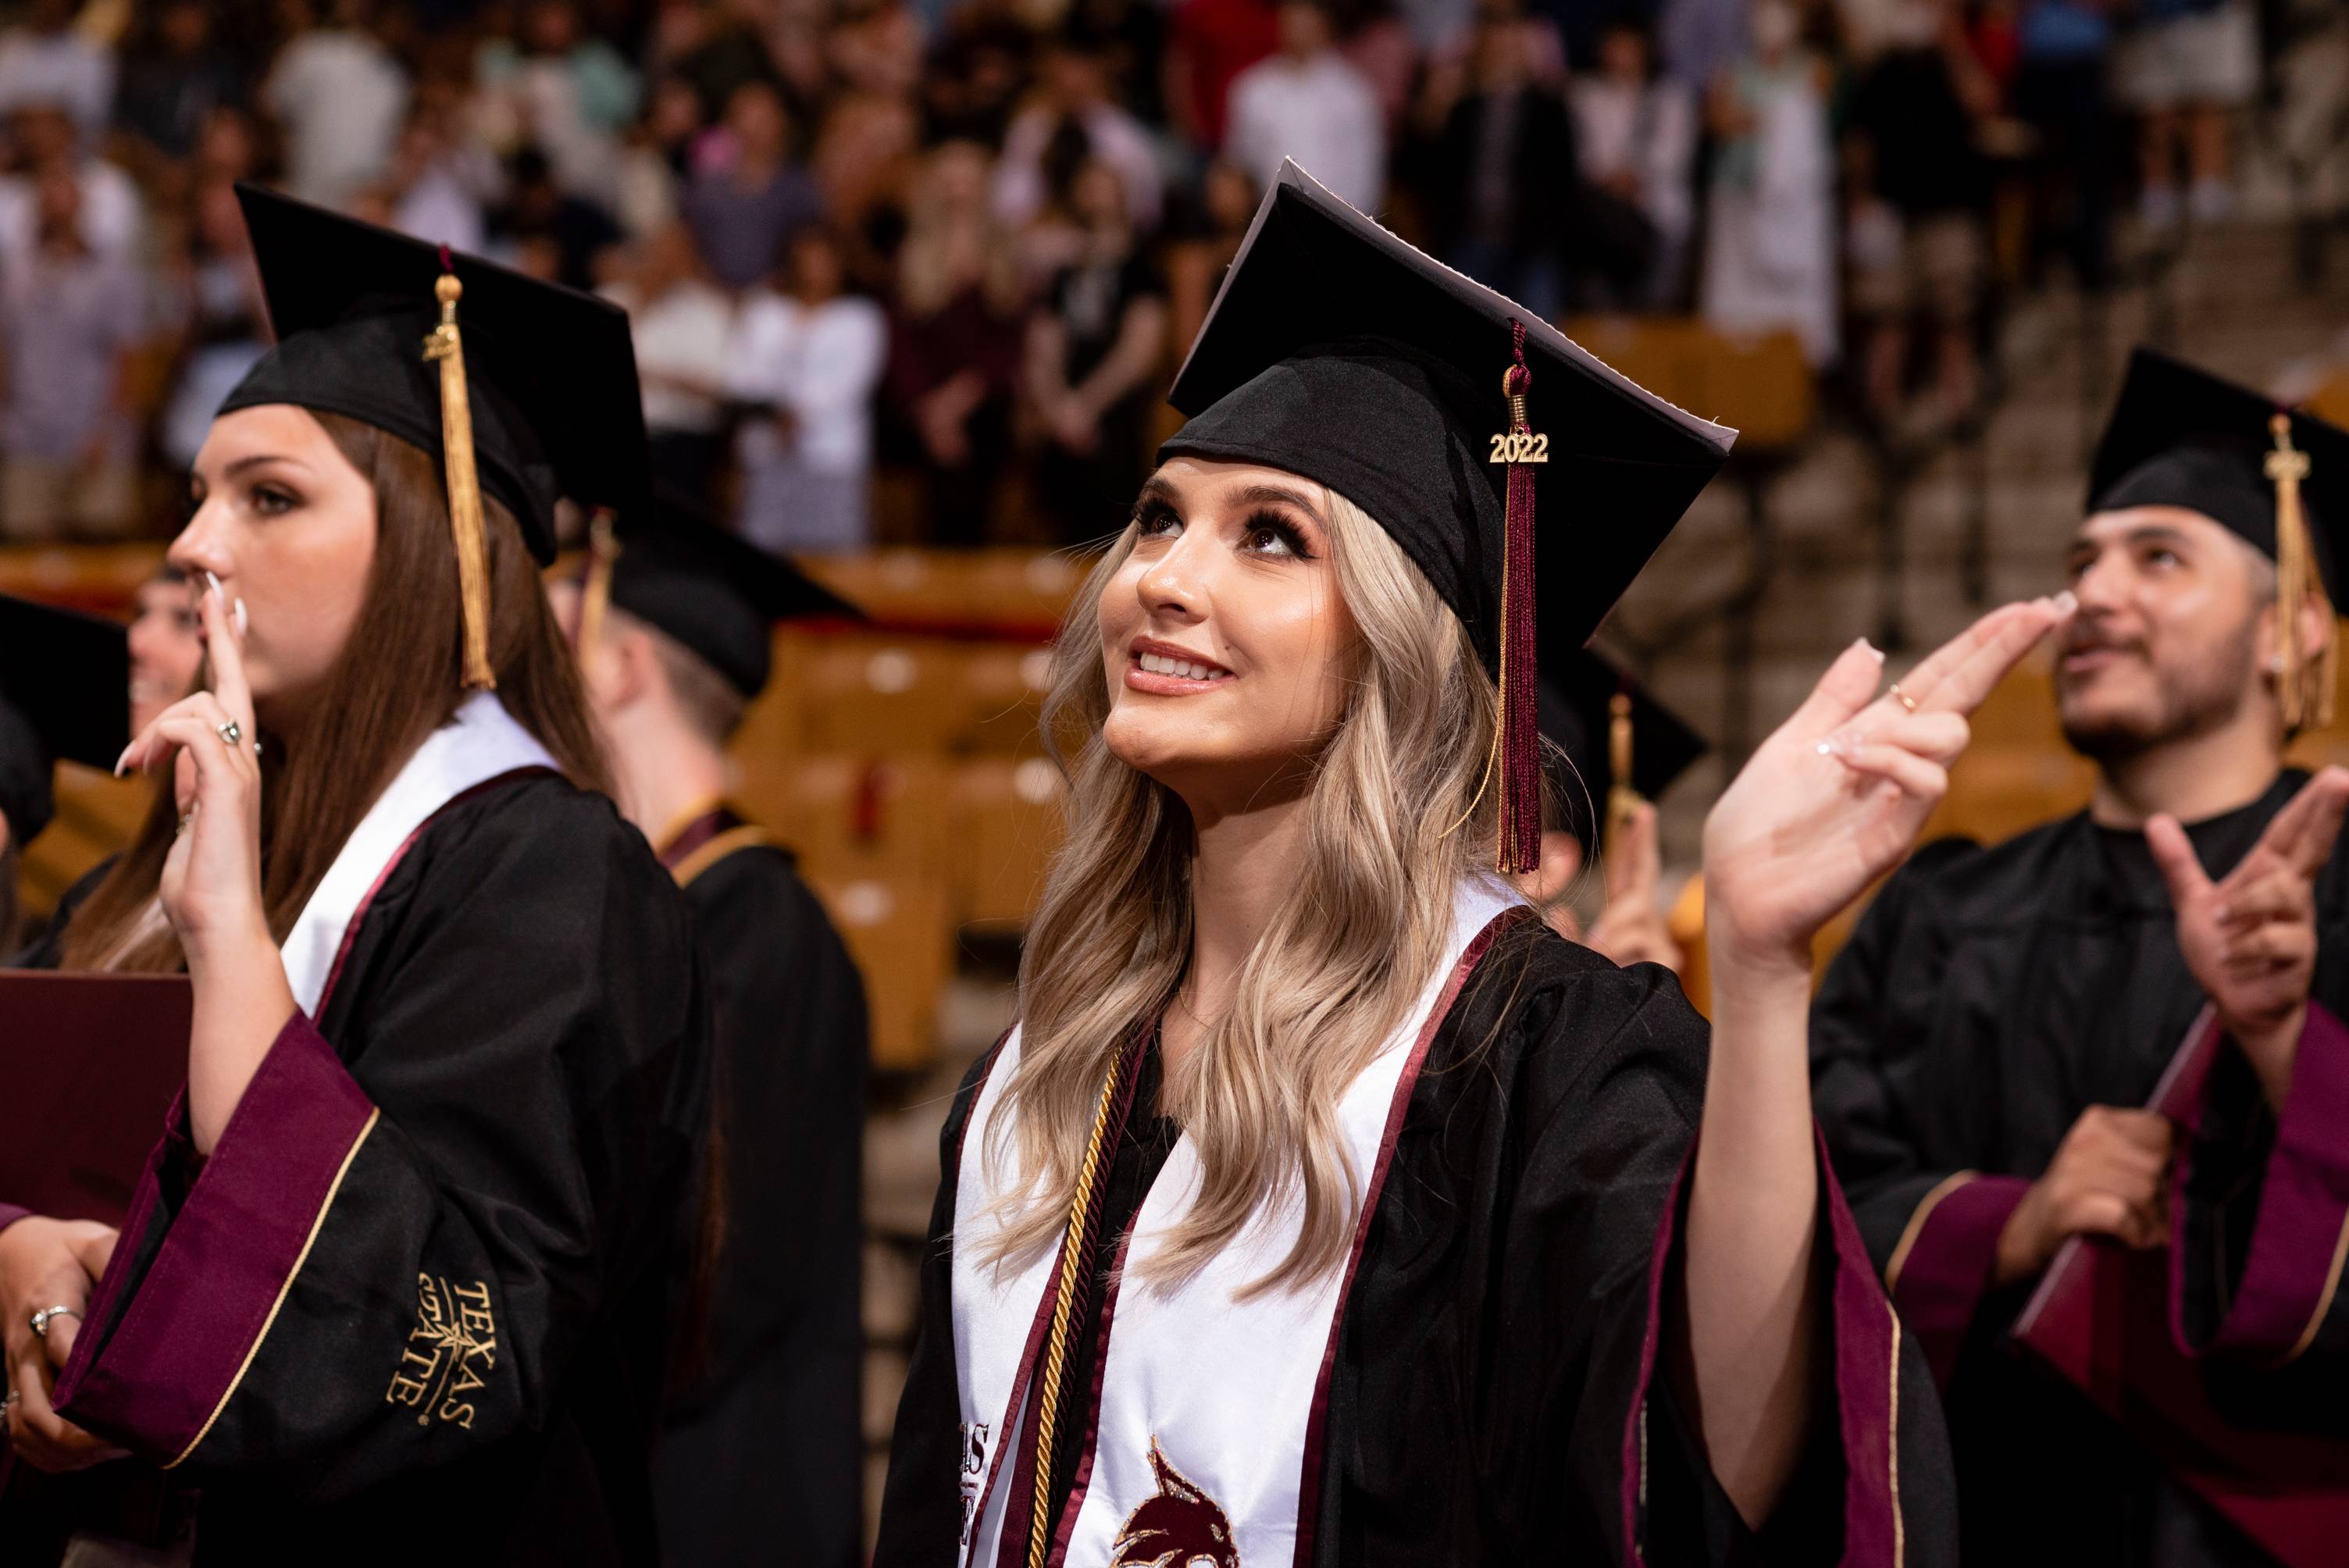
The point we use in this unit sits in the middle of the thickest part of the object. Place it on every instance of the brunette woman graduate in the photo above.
(392, 1288)
(1325, 1207)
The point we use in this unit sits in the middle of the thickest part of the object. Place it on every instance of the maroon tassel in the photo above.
(1520, 737)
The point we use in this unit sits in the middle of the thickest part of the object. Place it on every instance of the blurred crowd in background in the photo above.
(918, 271)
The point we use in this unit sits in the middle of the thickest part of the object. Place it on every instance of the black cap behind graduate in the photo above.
(675, 567)
(1583, 697)
(2277, 478)
(523, 391)
(1337, 352)
(65, 678)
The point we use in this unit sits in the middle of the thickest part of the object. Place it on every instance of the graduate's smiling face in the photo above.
(288, 525)
(1225, 640)
(2175, 615)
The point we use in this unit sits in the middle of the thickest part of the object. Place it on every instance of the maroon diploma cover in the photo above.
(2101, 1320)
(89, 1067)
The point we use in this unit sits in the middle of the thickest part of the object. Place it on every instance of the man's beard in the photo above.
(2200, 695)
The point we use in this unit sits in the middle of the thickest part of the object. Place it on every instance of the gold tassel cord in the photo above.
(2306, 686)
(595, 595)
(446, 345)
(1074, 1263)
(1622, 801)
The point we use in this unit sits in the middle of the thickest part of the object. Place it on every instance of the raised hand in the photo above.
(2249, 938)
(211, 886)
(1632, 928)
(1836, 797)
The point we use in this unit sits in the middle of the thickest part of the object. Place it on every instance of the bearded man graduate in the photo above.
(1984, 1046)
(760, 1458)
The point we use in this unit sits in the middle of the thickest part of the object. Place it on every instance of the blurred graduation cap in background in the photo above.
(1611, 745)
(64, 695)
(1453, 417)
(677, 569)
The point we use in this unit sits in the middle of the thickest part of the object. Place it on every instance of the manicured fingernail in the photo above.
(2066, 603)
(240, 617)
(121, 762)
(1837, 745)
(1873, 651)
(211, 585)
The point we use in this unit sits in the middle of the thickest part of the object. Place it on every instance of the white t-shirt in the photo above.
(1117, 138)
(822, 365)
(1649, 129)
(341, 98)
(687, 332)
(1322, 113)
(62, 68)
(113, 219)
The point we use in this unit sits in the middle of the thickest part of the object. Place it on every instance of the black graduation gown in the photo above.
(1987, 998)
(1490, 1400)
(760, 1454)
(413, 1306)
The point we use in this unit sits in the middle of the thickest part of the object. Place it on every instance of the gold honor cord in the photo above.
(448, 347)
(2307, 687)
(1082, 1210)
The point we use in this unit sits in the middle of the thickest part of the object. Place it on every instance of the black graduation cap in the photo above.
(2276, 477)
(65, 693)
(675, 567)
(550, 373)
(1579, 695)
(1339, 353)
(2182, 436)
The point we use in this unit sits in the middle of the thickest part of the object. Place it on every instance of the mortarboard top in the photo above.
(1340, 353)
(1468, 426)
(2182, 436)
(65, 692)
(715, 592)
(550, 372)
(26, 803)
(1577, 696)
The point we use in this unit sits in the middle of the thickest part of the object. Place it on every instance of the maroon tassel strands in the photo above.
(1519, 740)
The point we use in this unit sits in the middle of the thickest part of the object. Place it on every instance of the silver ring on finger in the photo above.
(40, 1320)
(1902, 698)
(230, 732)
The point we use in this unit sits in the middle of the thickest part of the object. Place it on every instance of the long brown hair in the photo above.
(397, 680)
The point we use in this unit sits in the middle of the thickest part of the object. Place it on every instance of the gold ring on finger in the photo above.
(1902, 698)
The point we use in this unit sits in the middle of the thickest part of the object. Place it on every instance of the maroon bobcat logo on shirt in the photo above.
(1178, 1526)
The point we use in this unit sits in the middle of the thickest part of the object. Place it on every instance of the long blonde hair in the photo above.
(1398, 811)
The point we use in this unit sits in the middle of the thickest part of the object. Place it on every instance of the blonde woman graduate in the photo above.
(393, 1287)
(1325, 1207)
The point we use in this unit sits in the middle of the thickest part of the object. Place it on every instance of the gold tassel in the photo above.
(2308, 675)
(1622, 801)
(464, 484)
(595, 595)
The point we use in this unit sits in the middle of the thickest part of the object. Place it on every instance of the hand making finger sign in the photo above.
(211, 886)
(1839, 793)
(2249, 937)
(1632, 928)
